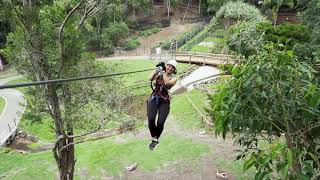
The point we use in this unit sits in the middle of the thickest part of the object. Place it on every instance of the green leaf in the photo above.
(248, 164)
(262, 175)
(266, 160)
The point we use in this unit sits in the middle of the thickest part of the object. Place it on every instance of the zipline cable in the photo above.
(69, 79)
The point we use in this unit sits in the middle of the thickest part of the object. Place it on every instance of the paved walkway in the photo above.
(201, 74)
(10, 117)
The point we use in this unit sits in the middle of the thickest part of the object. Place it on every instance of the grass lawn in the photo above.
(216, 37)
(184, 112)
(203, 49)
(2, 104)
(7, 73)
(17, 81)
(104, 158)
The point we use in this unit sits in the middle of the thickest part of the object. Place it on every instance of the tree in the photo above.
(232, 12)
(271, 8)
(48, 43)
(272, 96)
(311, 18)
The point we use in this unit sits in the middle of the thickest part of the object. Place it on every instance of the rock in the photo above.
(132, 167)
(203, 132)
(22, 152)
(221, 175)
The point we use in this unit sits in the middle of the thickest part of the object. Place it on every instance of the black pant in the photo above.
(162, 107)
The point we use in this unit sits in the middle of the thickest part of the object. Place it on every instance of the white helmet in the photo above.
(173, 63)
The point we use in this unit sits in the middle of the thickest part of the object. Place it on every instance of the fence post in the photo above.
(204, 60)
(9, 127)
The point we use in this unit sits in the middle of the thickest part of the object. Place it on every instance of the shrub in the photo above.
(286, 34)
(131, 43)
(232, 12)
(244, 39)
(150, 31)
(116, 32)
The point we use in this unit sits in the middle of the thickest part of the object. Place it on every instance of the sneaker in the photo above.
(153, 144)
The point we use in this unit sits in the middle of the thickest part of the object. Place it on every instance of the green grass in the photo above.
(184, 112)
(214, 39)
(2, 104)
(203, 49)
(43, 129)
(106, 155)
(236, 168)
(34, 145)
(8, 73)
(18, 81)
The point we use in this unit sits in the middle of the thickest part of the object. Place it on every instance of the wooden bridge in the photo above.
(204, 58)
(195, 58)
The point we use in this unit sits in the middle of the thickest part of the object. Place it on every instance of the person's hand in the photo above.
(162, 65)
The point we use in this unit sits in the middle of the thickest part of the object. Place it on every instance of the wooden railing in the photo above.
(204, 58)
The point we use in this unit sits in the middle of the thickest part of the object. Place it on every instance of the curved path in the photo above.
(14, 108)
(201, 74)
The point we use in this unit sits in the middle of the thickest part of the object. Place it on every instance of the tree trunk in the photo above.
(295, 166)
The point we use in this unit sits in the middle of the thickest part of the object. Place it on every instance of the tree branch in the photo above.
(61, 34)
(88, 11)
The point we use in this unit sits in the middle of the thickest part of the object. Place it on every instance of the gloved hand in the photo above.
(162, 65)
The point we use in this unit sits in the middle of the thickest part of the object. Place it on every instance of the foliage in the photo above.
(131, 43)
(239, 11)
(116, 31)
(311, 51)
(244, 39)
(149, 31)
(215, 5)
(47, 43)
(274, 93)
(286, 34)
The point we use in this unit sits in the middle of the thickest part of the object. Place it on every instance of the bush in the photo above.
(131, 43)
(116, 32)
(97, 43)
(215, 5)
(150, 31)
(286, 34)
(232, 12)
(104, 52)
(244, 39)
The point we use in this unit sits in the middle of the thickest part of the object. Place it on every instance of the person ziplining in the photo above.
(159, 102)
